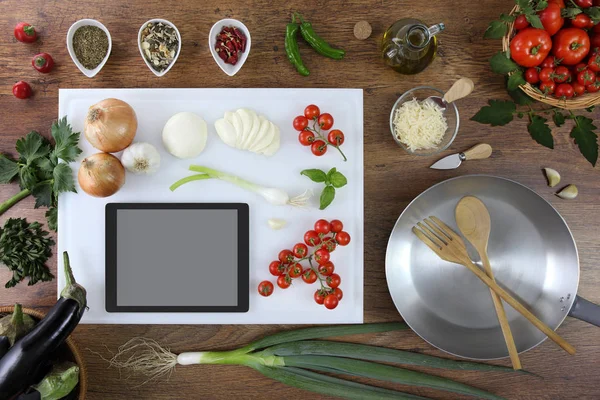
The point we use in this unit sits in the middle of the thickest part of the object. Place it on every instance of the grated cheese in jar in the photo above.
(420, 124)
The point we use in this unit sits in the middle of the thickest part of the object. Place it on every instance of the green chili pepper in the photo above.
(291, 47)
(320, 45)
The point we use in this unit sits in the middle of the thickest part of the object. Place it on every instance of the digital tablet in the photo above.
(177, 257)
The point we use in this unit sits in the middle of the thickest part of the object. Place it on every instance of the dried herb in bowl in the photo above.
(90, 45)
(159, 42)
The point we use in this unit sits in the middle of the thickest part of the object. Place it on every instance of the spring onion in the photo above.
(292, 358)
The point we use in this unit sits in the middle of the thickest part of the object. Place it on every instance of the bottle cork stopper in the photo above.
(362, 30)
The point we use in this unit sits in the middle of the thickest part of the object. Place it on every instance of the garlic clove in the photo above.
(276, 223)
(141, 158)
(552, 176)
(568, 193)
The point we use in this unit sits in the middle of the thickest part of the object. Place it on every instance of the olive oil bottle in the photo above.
(409, 46)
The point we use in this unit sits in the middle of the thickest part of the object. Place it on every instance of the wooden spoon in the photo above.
(473, 220)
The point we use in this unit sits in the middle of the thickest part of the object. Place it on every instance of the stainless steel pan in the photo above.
(532, 253)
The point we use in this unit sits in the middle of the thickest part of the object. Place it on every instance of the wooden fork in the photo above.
(450, 247)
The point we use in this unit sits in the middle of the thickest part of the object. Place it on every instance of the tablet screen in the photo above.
(177, 257)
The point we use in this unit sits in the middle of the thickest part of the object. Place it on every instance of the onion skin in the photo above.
(110, 125)
(101, 175)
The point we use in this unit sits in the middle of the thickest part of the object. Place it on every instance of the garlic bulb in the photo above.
(141, 158)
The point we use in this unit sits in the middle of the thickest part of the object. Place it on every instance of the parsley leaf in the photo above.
(66, 141)
(540, 131)
(52, 217)
(498, 113)
(42, 194)
(585, 138)
(502, 64)
(63, 179)
(27, 177)
(8, 169)
(32, 147)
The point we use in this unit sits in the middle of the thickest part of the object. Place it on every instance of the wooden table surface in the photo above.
(392, 178)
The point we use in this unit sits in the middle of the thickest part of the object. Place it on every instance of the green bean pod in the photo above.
(291, 48)
(317, 43)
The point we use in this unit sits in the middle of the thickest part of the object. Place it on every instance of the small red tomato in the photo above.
(580, 67)
(309, 276)
(564, 91)
(595, 40)
(276, 268)
(312, 238)
(531, 75)
(325, 121)
(593, 88)
(581, 21)
(265, 288)
(342, 238)
(25, 33)
(286, 256)
(549, 62)
(284, 281)
(584, 3)
(300, 123)
(329, 244)
(312, 112)
(331, 301)
(335, 137)
(561, 74)
(326, 269)
(594, 62)
(306, 138)
(338, 292)
(43, 62)
(546, 74)
(333, 281)
(322, 226)
(300, 250)
(322, 256)
(22, 90)
(578, 88)
(318, 148)
(586, 77)
(547, 87)
(336, 225)
(521, 22)
(320, 296)
(295, 270)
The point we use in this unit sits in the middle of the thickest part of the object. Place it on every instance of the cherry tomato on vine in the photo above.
(521, 22)
(329, 244)
(561, 74)
(551, 18)
(320, 296)
(318, 148)
(564, 91)
(595, 40)
(312, 238)
(586, 77)
(322, 226)
(331, 301)
(338, 292)
(571, 45)
(335, 137)
(22, 90)
(300, 250)
(532, 75)
(578, 88)
(306, 138)
(265, 288)
(547, 87)
(325, 121)
(284, 281)
(286, 256)
(309, 276)
(333, 281)
(336, 225)
(276, 268)
(580, 67)
(549, 62)
(594, 87)
(547, 74)
(584, 3)
(311, 112)
(295, 270)
(25, 33)
(300, 123)
(594, 62)
(342, 238)
(581, 21)
(322, 256)
(326, 269)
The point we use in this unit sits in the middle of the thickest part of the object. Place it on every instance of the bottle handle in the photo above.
(435, 29)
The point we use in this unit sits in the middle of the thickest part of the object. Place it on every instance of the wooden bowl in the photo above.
(69, 352)
(584, 101)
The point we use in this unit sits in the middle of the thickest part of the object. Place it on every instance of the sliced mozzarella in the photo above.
(274, 146)
(267, 140)
(226, 131)
(235, 120)
(247, 121)
(253, 133)
(264, 138)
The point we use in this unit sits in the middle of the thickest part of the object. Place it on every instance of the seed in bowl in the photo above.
(159, 43)
(420, 124)
(90, 45)
(230, 41)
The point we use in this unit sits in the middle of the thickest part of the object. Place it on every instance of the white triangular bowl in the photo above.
(90, 73)
(229, 69)
(164, 21)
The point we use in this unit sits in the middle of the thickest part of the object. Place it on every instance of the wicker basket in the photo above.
(71, 352)
(583, 101)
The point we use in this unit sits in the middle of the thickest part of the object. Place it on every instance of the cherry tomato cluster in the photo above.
(563, 59)
(316, 250)
(42, 62)
(314, 136)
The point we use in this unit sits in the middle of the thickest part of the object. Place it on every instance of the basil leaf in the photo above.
(338, 180)
(315, 175)
(327, 196)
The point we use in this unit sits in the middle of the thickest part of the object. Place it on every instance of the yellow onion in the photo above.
(110, 125)
(101, 175)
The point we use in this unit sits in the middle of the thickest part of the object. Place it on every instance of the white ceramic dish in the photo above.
(90, 73)
(229, 69)
(164, 21)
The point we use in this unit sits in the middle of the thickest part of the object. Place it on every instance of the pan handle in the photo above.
(585, 311)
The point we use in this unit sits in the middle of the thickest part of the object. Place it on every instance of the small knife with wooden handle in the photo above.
(477, 152)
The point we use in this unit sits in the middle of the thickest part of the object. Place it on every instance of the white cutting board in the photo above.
(81, 217)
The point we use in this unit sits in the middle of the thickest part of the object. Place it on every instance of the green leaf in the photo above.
(27, 177)
(43, 195)
(502, 64)
(590, 108)
(541, 5)
(535, 21)
(331, 172)
(558, 118)
(8, 169)
(327, 196)
(585, 138)
(540, 131)
(498, 113)
(66, 141)
(32, 147)
(59, 382)
(63, 179)
(525, 6)
(508, 18)
(52, 216)
(593, 13)
(338, 180)
(570, 12)
(315, 175)
(515, 80)
(519, 96)
(496, 30)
